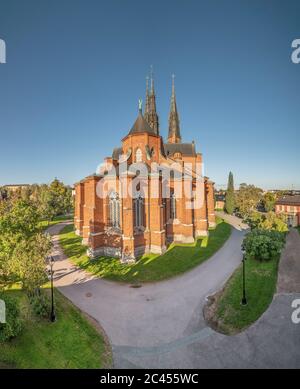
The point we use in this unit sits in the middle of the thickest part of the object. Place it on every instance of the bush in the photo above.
(268, 221)
(263, 245)
(40, 305)
(13, 325)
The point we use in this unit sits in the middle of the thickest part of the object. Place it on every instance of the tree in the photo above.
(29, 261)
(23, 248)
(268, 201)
(46, 203)
(269, 221)
(53, 200)
(229, 199)
(247, 199)
(263, 245)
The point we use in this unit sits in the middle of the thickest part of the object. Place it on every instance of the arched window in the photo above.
(138, 212)
(173, 206)
(138, 155)
(114, 209)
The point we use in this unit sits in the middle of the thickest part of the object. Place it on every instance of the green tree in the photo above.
(268, 201)
(268, 221)
(62, 195)
(247, 199)
(263, 245)
(22, 246)
(229, 199)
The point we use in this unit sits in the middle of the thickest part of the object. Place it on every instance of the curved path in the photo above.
(161, 324)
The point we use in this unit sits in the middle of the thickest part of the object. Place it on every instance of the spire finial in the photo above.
(173, 82)
(151, 79)
(140, 105)
(174, 128)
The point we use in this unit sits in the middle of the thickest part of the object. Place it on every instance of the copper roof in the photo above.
(183, 148)
(140, 126)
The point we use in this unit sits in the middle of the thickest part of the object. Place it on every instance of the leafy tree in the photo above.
(13, 324)
(22, 246)
(29, 261)
(247, 199)
(268, 201)
(46, 203)
(263, 245)
(268, 221)
(229, 199)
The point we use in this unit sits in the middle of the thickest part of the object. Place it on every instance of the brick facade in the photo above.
(290, 207)
(120, 225)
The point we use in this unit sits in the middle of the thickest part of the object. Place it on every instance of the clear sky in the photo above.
(75, 70)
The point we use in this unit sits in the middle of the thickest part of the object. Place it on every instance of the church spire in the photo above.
(147, 108)
(150, 112)
(174, 128)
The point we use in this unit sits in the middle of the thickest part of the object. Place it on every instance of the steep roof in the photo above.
(183, 148)
(117, 152)
(140, 126)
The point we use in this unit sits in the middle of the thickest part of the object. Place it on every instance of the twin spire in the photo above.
(174, 128)
(151, 116)
(150, 106)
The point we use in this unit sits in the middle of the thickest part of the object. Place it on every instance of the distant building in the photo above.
(220, 200)
(290, 207)
(15, 187)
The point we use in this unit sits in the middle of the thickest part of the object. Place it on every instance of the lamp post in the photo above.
(244, 299)
(52, 314)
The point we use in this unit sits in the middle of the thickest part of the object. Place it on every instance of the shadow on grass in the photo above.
(178, 258)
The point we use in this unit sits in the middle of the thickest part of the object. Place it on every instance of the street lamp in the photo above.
(51, 272)
(244, 299)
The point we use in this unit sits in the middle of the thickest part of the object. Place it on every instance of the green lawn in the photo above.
(44, 224)
(178, 259)
(261, 279)
(70, 342)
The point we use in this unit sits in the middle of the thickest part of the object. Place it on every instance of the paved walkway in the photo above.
(161, 324)
(289, 268)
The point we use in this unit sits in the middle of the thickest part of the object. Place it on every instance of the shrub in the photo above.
(263, 245)
(268, 221)
(13, 324)
(40, 305)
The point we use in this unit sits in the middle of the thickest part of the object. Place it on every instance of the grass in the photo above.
(178, 259)
(44, 224)
(70, 342)
(261, 279)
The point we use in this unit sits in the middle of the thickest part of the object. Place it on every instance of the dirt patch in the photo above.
(211, 317)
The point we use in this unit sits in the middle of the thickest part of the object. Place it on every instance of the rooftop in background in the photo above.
(14, 187)
(289, 200)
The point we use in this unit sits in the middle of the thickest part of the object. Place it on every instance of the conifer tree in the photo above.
(229, 200)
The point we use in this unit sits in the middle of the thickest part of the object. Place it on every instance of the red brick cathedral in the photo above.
(128, 211)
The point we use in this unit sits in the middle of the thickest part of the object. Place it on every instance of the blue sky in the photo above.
(75, 70)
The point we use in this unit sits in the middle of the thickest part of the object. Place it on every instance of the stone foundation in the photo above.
(201, 233)
(114, 252)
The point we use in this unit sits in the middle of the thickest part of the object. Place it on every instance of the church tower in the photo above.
(150, 106)
(174, 128)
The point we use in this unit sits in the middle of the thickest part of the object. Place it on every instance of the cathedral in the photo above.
(125, 210)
